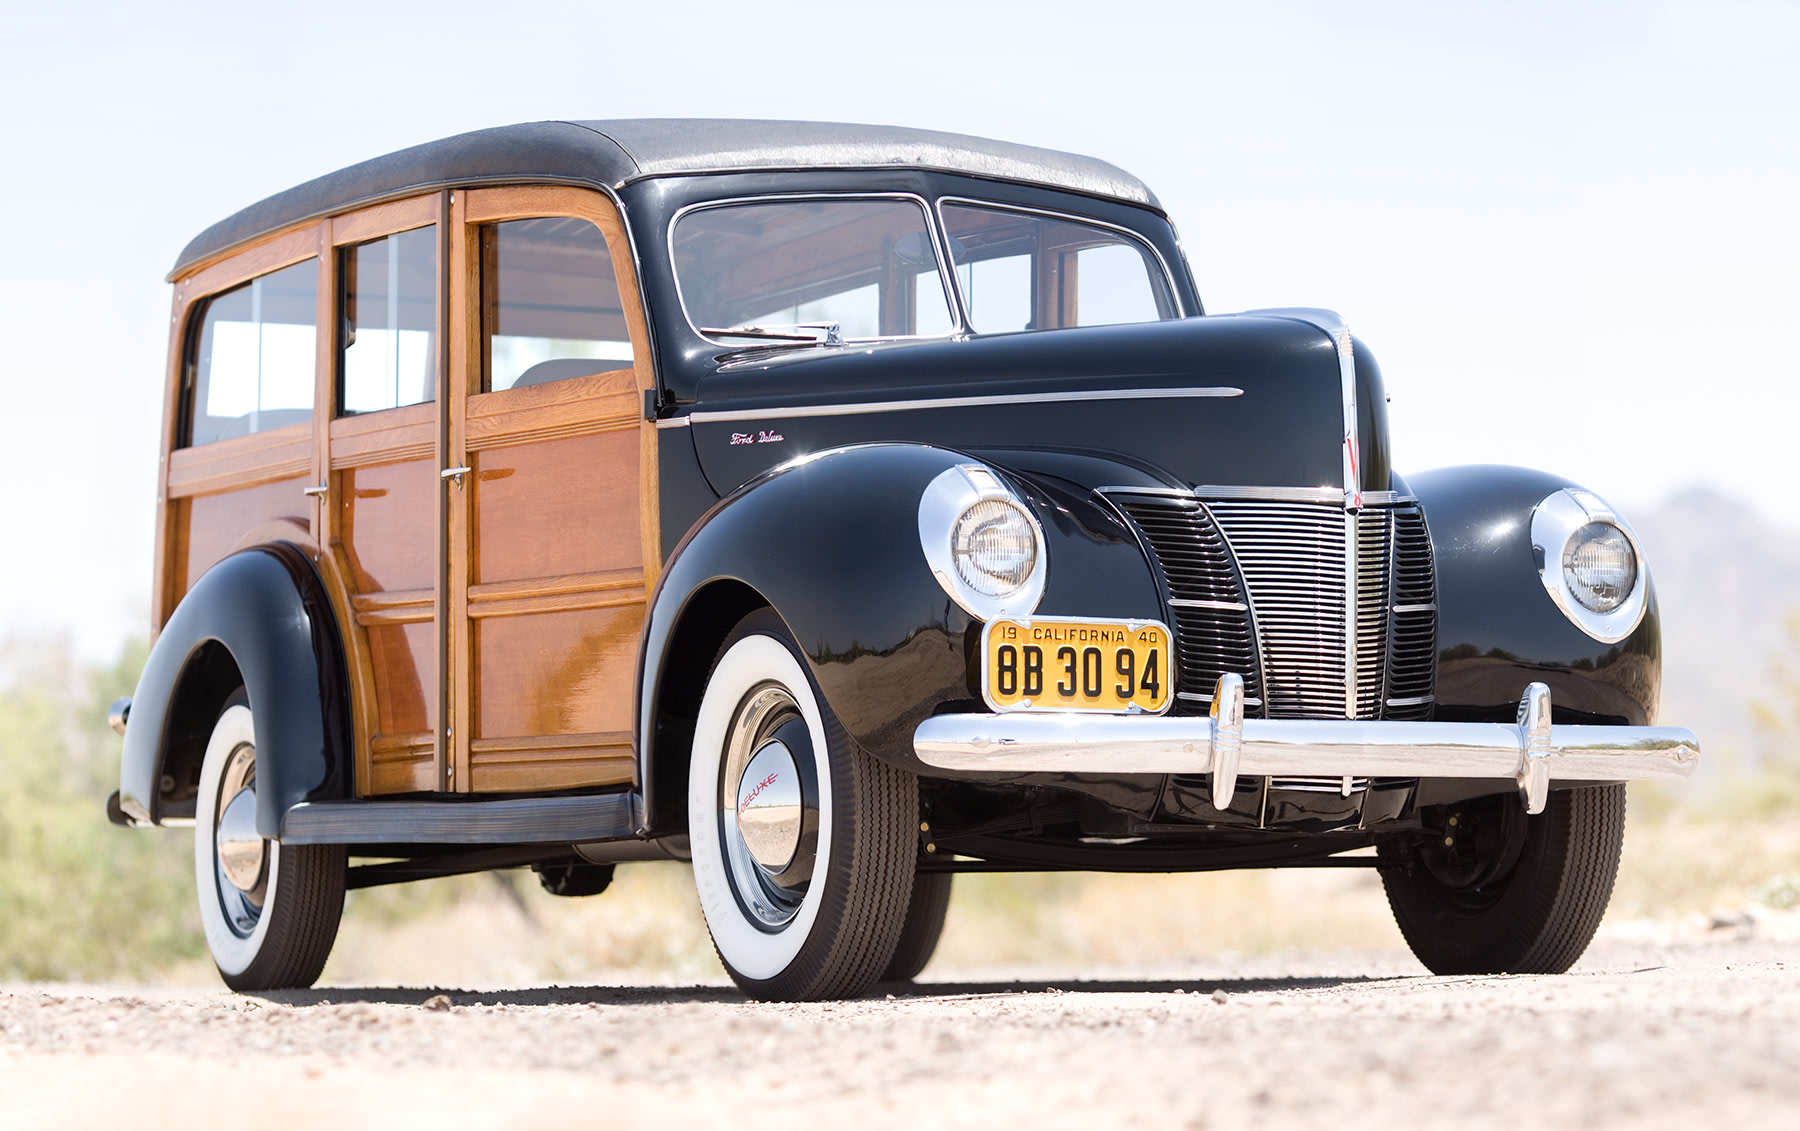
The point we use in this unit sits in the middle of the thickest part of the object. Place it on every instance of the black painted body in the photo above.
(1498, 630)
(259, 619)
(816, 516)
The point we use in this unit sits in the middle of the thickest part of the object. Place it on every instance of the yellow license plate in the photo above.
(1075, 664)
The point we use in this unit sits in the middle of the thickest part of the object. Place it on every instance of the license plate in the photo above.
(1076, 664)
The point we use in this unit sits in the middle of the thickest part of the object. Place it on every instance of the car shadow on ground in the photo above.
(442, 997)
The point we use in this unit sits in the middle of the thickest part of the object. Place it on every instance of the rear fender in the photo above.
(259, 618)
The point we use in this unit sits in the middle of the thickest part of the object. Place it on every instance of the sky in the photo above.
(1568, 231)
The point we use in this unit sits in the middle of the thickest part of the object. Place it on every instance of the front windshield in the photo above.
(795, 270)
(1023, 270)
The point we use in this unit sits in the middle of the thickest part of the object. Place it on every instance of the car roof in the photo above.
(617, 152)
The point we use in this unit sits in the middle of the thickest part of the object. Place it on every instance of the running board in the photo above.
(527, 820)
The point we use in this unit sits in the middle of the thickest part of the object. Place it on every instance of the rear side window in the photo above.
(389, 305)
(253, 360)
(550, 306)
(1026, 271)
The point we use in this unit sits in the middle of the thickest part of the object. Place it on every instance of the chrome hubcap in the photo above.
(241, 855)
(240, 849)
(768, 810)
(768, 806)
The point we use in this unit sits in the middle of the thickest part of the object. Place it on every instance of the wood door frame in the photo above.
(440, 432)
(606, 403)
(406, 433)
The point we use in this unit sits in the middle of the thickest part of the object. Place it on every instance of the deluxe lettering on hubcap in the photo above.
(769, 806)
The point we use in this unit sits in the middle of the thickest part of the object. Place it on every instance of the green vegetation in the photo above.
(79, 899)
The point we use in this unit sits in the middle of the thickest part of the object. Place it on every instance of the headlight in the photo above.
(1589, 562)
(1599, 566)
(995, 548)
(983, 546)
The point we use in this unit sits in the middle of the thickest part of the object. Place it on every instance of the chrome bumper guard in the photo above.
(1533, 753)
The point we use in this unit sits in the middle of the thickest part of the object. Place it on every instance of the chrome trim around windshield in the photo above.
(1162, 264)
(794, 412)
(932, 230)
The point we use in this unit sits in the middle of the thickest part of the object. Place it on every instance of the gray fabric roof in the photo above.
(613, 153)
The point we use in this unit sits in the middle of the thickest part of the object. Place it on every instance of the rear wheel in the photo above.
(802, 844)
(1493, 891)
(270, 912)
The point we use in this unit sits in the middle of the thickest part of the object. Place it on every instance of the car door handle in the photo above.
(318, 492)
(455, 473)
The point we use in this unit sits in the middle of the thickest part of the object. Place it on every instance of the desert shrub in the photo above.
(79, 898)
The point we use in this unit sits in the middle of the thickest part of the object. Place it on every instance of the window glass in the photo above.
(1021, 271)
(389, 305)
(252, 368)
(866, 265)
(550, 303)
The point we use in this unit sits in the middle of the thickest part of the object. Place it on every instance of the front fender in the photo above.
(832, 544)
(1498, 629)
(260, 617)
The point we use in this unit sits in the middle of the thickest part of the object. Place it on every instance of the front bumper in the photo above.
(1534, 753)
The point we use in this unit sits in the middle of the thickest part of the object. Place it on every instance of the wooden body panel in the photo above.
(524, 583)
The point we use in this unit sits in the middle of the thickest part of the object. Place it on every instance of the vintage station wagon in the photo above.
(840, 508)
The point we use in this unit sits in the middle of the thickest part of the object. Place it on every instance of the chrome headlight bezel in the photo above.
(1554, 522)
(944, 501)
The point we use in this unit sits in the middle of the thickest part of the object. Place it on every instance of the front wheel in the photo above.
(1491, 891)
(270, 912)
(802, 844)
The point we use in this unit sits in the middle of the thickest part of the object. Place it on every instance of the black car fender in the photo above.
(831, 542)
(260, 619)
(1499, 630)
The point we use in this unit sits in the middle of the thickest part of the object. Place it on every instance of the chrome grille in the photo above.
(1292, 559)
(1374, 532)
(1412, 645)
(1212, 618)
(1308, 605)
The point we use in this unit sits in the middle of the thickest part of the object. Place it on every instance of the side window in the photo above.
(389, 310)
(1023, 271)
(251, 368)
(550, 305)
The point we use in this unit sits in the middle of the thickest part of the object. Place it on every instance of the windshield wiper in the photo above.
(778, 332)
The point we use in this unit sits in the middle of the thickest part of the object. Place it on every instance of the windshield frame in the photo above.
(737, 346)
(1167, 281)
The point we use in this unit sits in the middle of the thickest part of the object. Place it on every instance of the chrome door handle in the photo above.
(318, 492)
(455, 473)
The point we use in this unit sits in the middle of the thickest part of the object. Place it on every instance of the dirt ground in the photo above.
(1693, 1028)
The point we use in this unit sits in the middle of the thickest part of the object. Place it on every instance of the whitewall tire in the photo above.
(270, 913)
(803, 845)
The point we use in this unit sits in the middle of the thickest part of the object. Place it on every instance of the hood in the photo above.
(1253, 400)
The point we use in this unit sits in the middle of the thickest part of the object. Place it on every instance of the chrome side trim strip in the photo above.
(1533, 752)
(1412, 701)
(531, 820)
(795, 412)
